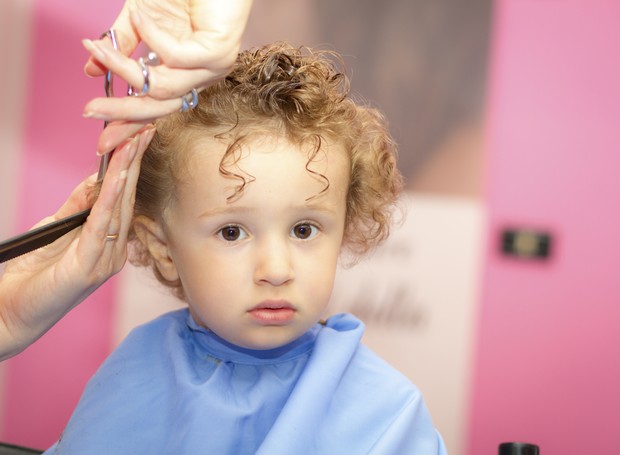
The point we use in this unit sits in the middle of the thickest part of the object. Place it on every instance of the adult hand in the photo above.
(197, 42)
(39, 288)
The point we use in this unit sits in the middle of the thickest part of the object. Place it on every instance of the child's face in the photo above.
(259, 270)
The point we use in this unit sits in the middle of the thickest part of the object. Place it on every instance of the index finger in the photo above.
(128, 40)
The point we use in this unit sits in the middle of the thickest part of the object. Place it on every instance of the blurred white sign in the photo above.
(418, 296)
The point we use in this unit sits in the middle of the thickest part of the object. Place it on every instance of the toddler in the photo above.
(244, 207)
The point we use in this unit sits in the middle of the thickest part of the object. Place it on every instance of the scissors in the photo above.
(48, 233)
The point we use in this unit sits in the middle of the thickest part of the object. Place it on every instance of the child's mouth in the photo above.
(273, 312)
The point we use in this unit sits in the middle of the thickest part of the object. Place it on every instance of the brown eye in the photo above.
(231, 233)
(304, 231)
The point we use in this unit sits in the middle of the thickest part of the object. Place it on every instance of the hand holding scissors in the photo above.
(72, 252)
(193, 44)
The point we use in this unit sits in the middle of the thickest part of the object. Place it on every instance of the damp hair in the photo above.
(298, 93)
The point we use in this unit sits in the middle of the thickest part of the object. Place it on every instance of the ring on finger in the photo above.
(145, 74)
(189, 100)
(111, 237)
(151, 60)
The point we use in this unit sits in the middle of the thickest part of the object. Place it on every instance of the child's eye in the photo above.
(232, 233)
(304, 231)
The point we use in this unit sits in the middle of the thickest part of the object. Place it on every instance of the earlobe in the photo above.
(152, 235)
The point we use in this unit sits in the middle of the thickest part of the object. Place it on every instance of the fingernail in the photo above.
(94, 49)
(142, 142)
(120, 184)
(122, 175)
(105, 151)
(133, 149)
(85, 70)
(150, 134)
(134, 14)
(95, 115)
(146, 137)
(104, 148)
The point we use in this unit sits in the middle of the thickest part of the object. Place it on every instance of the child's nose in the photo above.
(274, 265)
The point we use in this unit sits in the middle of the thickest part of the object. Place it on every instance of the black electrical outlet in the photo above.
(526, 243)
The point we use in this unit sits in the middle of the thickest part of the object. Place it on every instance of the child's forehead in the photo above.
(229, 156)
(229, 165)
(240, 145)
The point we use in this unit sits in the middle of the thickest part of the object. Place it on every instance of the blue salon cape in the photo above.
(173, 387)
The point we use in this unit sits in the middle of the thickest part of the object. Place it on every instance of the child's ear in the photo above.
(151, 234)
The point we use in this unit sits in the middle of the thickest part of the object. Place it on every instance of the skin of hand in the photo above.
(197, 42)
(39, 288)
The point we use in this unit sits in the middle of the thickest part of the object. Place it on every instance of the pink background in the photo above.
(43, 384)
(544, 369)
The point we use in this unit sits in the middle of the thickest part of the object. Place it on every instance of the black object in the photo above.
(10, 449)
(518, 448)
(526, 243)
(40, 237)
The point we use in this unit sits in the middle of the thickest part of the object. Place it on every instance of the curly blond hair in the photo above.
(301, 94)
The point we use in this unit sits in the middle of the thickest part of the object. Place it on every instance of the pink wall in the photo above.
(547, 369)
(43, 384)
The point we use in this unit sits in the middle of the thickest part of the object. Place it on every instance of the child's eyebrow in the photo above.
(224, 210)
(227, 210)
(320, 208)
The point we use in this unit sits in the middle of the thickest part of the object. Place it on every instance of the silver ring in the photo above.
(151, 60)
(189, 100)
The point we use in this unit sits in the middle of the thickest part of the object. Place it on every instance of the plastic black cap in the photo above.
(518, 448)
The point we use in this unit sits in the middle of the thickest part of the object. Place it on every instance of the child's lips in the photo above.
(273, 312)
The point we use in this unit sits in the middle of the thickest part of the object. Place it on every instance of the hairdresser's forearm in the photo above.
(27, 312)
